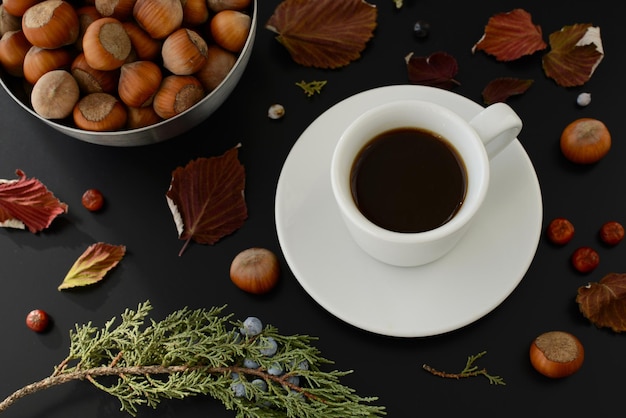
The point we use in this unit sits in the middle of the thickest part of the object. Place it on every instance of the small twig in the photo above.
(470, 370)
(311, 87)
(116, 359)
(59, 379)
(59, 369)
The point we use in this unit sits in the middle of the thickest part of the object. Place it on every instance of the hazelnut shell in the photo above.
(39, 61)
(51, 24)
(100, 112)
(218, 64)
(230, 29)
(13, 49)
(55, 94)
(195, 12)
(91, 80)
(158, 17)
(184, 52)
(144, 46)
(177, 94)
(106, 44)
(139, 81)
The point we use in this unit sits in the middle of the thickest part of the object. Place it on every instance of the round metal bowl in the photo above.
(158, 132)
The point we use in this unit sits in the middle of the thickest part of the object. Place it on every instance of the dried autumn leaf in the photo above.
(509, 36)
(436, 70)
(323, 33)
(93, 265)
(206, 198)
(27, 203)
(500, 89)
(604, 303)
(575, 53)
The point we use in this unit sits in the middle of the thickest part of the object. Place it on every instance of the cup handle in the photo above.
(497, 125)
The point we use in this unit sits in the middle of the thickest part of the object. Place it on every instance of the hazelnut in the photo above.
(145, 47)
(55, 94)
(184, 52)
(219, 5)
(13, 49)
(195, 12)
(119, 9)
(86, 16)
(18, 7)
(230, 29)
(8, 22)
(158, 17)
(51, 24)
(39, 61)
(139, 81)
(177, 94)
(218, 64)
(100, 112)
(106, 44)
(91, 80)
(140, 117)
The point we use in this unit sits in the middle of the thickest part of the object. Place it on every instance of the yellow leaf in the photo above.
(92, 265)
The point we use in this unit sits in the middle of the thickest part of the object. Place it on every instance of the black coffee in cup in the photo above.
(408, 180)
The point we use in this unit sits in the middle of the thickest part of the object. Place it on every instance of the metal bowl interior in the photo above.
(158, 132)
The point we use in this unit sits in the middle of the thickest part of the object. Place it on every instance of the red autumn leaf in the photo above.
(500, 89)
(206, 198)
(509, 36)
(436, 70)
(27, 203)
(604, 303)
(575, 52)
(323, 33)
(93, 265)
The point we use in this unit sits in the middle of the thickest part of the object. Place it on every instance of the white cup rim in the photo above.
(476, 188)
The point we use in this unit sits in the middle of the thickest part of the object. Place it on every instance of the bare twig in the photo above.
(469, 371)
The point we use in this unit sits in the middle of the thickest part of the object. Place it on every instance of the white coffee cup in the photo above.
(476, 142)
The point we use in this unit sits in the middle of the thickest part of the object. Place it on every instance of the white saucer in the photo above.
(458, 289)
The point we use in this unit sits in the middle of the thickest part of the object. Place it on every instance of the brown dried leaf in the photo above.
(27, 203)
(93, 265)
(500, 89)
(324, 33)
(436, 70)
(575, 53)
(206, 198)
(509, 36)
(604, 303)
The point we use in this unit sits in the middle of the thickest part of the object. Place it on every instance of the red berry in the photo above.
(93, 200)
(612, 233)
(37, 320)
(585, 259)
(560, 231)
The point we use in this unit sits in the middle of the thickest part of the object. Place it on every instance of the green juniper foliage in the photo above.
(202, 352)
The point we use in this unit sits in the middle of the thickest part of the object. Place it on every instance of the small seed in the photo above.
(276, 111)
(583, 99)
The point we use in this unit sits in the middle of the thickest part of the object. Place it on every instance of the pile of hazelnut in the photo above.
(120, 64)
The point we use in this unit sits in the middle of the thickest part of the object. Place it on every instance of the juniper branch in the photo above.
(189, 353)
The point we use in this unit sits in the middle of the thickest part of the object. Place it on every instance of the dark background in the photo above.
(135, 180)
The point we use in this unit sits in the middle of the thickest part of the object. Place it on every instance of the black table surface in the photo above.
(134, 181)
